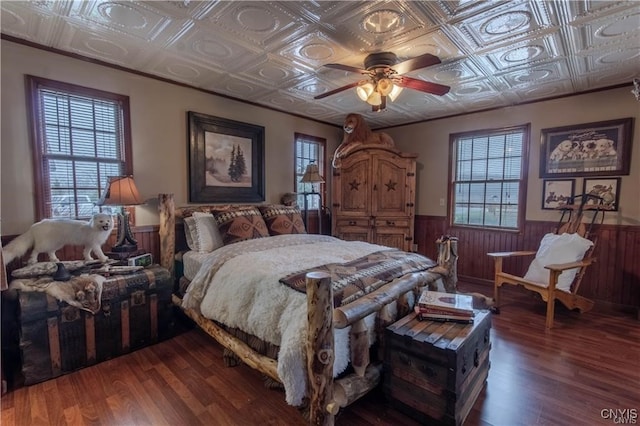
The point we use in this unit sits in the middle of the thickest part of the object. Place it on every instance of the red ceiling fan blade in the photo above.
(423, 86)
(418, 62)
(338, 90)
(346, 68)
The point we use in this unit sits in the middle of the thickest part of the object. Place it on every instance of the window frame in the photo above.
(42, 184)
(322, 166)
(523, 181)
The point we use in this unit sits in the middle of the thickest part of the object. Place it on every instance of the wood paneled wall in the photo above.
(614, 278)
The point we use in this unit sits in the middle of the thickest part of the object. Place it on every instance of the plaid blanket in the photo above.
(354, 279)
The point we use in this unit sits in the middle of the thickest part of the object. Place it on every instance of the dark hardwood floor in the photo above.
(576, 374)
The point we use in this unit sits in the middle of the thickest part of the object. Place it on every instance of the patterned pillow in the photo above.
(240, 224)
(283, 220)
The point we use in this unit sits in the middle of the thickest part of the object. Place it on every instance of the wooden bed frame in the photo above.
(326, 394)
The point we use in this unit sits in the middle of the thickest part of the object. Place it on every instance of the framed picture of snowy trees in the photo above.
(226, 160)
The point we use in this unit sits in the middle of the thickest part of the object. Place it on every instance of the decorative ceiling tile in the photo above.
(454, 10)
(493, 53)
(377, 26)
(436, 43)
(137, 19)
(600, 32)
(315, 49)
(183, 9)
(542, 91)
(604, 59)
(323, 12)
(103, 45)
(36, 26)
(264, 24)
(508, 22)
(272, 72)
(602, 78)
(534, 76)
(452, 74)
(207, 46)
(529, 52)
(473, 89)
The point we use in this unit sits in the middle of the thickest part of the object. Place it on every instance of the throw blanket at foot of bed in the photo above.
(354, 279)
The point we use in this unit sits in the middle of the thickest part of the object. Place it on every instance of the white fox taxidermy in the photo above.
(50, 235)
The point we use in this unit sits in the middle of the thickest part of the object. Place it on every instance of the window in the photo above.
(489, 178)
(81, 137)
(309, 149)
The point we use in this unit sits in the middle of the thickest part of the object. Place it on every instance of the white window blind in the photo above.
(81, 143)
(488, 178)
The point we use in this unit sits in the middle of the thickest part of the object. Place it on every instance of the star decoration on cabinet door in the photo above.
(354, 185)
(391, 186)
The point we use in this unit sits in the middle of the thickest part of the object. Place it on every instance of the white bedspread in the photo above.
(239, 286)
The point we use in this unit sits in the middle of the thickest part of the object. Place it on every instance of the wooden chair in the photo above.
(549, 291)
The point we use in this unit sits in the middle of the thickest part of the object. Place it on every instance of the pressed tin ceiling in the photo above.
(493, 53)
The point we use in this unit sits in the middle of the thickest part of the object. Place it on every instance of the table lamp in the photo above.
(121, 191)
(312, 176)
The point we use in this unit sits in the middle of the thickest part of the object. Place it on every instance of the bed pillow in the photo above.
(555, 249)
(283, 220)
(207, 237)
(189, 224)
(240, 224)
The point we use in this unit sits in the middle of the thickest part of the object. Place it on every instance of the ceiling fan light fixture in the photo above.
(374, 99)
(364, 90)
(385, 86)
(395, 92)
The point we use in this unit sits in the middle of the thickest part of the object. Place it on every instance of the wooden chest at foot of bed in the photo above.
(57, 338)
(434, 371)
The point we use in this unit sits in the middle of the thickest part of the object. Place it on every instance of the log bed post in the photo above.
(166, 206)
(448, 262)
(320, 348)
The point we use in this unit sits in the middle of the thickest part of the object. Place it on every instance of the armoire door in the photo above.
(392, 190)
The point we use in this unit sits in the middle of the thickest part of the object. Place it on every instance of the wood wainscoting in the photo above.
(613, 279)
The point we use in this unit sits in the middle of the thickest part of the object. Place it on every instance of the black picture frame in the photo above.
(214, 145)
(607, 188)
(592, 149)
(557, 192)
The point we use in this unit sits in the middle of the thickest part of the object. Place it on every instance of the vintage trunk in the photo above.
(57, 338)
(434, 371)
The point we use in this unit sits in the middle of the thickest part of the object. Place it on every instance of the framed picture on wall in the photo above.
(608, 189)
(226, 160)
(590, 149)
(557, 192)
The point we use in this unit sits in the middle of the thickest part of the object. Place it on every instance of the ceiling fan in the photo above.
(385, 78)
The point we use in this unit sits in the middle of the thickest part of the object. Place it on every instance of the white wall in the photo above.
(431, 141)
(159, 132)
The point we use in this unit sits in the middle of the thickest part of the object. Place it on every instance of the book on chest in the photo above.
(435, 305)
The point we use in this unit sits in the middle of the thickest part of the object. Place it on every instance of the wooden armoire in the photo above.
(374, 196)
